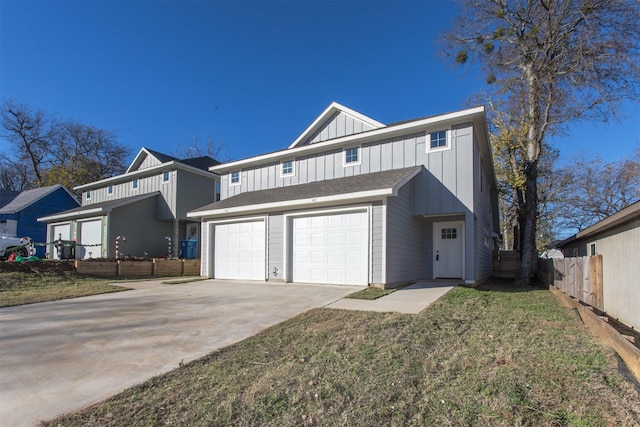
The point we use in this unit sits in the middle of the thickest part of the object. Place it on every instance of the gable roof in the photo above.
(630, 213)
(203, 162)
(354, 189)
(96, 208)
(29, 197)
(6, 196)
(143, 154)
(327, 116)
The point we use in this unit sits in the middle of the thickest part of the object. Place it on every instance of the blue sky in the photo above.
(251, 74)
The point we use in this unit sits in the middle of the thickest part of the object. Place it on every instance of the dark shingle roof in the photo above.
(103, 206)
(28, 197)
(331, 187)
(204, 162)
(164, 158)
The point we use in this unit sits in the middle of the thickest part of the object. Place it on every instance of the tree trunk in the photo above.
(528, 248)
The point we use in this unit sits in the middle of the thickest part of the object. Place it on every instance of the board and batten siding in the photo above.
(482, 209)
(451, 169)
(405, 249)
(142, 234)
(340, 124)
(192, 191)
(148, 162)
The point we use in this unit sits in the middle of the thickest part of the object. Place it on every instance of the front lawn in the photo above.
(477, 357)
(17, 288)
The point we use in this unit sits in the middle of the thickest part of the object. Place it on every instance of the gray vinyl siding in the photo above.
(275, 248)
(377, 241)
(340, 124)
(143, 234)
(405, 242)
(148, 162)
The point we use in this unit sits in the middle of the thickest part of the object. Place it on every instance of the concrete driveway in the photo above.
(58, 357)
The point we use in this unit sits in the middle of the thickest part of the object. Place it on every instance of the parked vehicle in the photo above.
(20, 246)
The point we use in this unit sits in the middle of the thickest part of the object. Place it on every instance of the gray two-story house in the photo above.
(354, 201)
(143, 209)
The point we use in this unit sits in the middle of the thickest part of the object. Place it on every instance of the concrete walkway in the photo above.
(61, 356)
(411, 299)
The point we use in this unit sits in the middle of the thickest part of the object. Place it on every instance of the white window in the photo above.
(592, 249)
(287, 168)
(110, 190)
(352, 156)
(165, 177)
(134, 183)
(235, 178)
(439, 140)
(88, 195)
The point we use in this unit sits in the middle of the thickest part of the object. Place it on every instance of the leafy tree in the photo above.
(44, 150)
(560, 61)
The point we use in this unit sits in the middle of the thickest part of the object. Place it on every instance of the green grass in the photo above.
(27, 288)
(370, 293)
(477, 357)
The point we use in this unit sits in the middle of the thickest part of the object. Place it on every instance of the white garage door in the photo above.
(331, 249)
(90, 239)
(60, 231)
(240, 251)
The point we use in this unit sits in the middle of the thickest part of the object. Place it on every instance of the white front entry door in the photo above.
(239, 251)
(331, 249)
(448, 249)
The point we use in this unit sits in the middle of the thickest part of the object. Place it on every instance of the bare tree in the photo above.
(202, 145)
(44, 150)
(597, 190)
(561, 60)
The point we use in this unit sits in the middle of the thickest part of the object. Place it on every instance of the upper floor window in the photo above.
(592, 249)
(235, 178)
(134, 183)
(216, 194)
(352, 156)
(165, 177)
(88, 195)
(110, 190)
(287, 168)
(439, 140)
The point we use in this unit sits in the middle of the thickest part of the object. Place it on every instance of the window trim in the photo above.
(231, 183)
(447, 145)
(135, 184)
(164, 181)
(345, 163)
(110, 190)
(88, 195)
(288, 174)
(590, 246)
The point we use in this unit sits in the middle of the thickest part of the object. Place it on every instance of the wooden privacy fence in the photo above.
(507, 263)
(579, 277)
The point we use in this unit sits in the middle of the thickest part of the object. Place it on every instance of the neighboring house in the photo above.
(145, 205)
(617, 239)
(19, 217)
(354, 201)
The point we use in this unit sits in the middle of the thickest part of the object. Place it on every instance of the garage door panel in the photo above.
(90, 239)
(331, 248)
(239, 251)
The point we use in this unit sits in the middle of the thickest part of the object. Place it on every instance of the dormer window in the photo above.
(287, 168)
(352, 156)
(235, 178)
(134, 184)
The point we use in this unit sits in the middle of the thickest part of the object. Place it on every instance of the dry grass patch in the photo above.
(370, 293)
(488, 357)
(19, 288)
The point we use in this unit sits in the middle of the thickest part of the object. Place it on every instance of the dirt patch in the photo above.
(37, 267)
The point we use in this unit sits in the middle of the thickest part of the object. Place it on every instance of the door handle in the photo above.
(437, 257)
